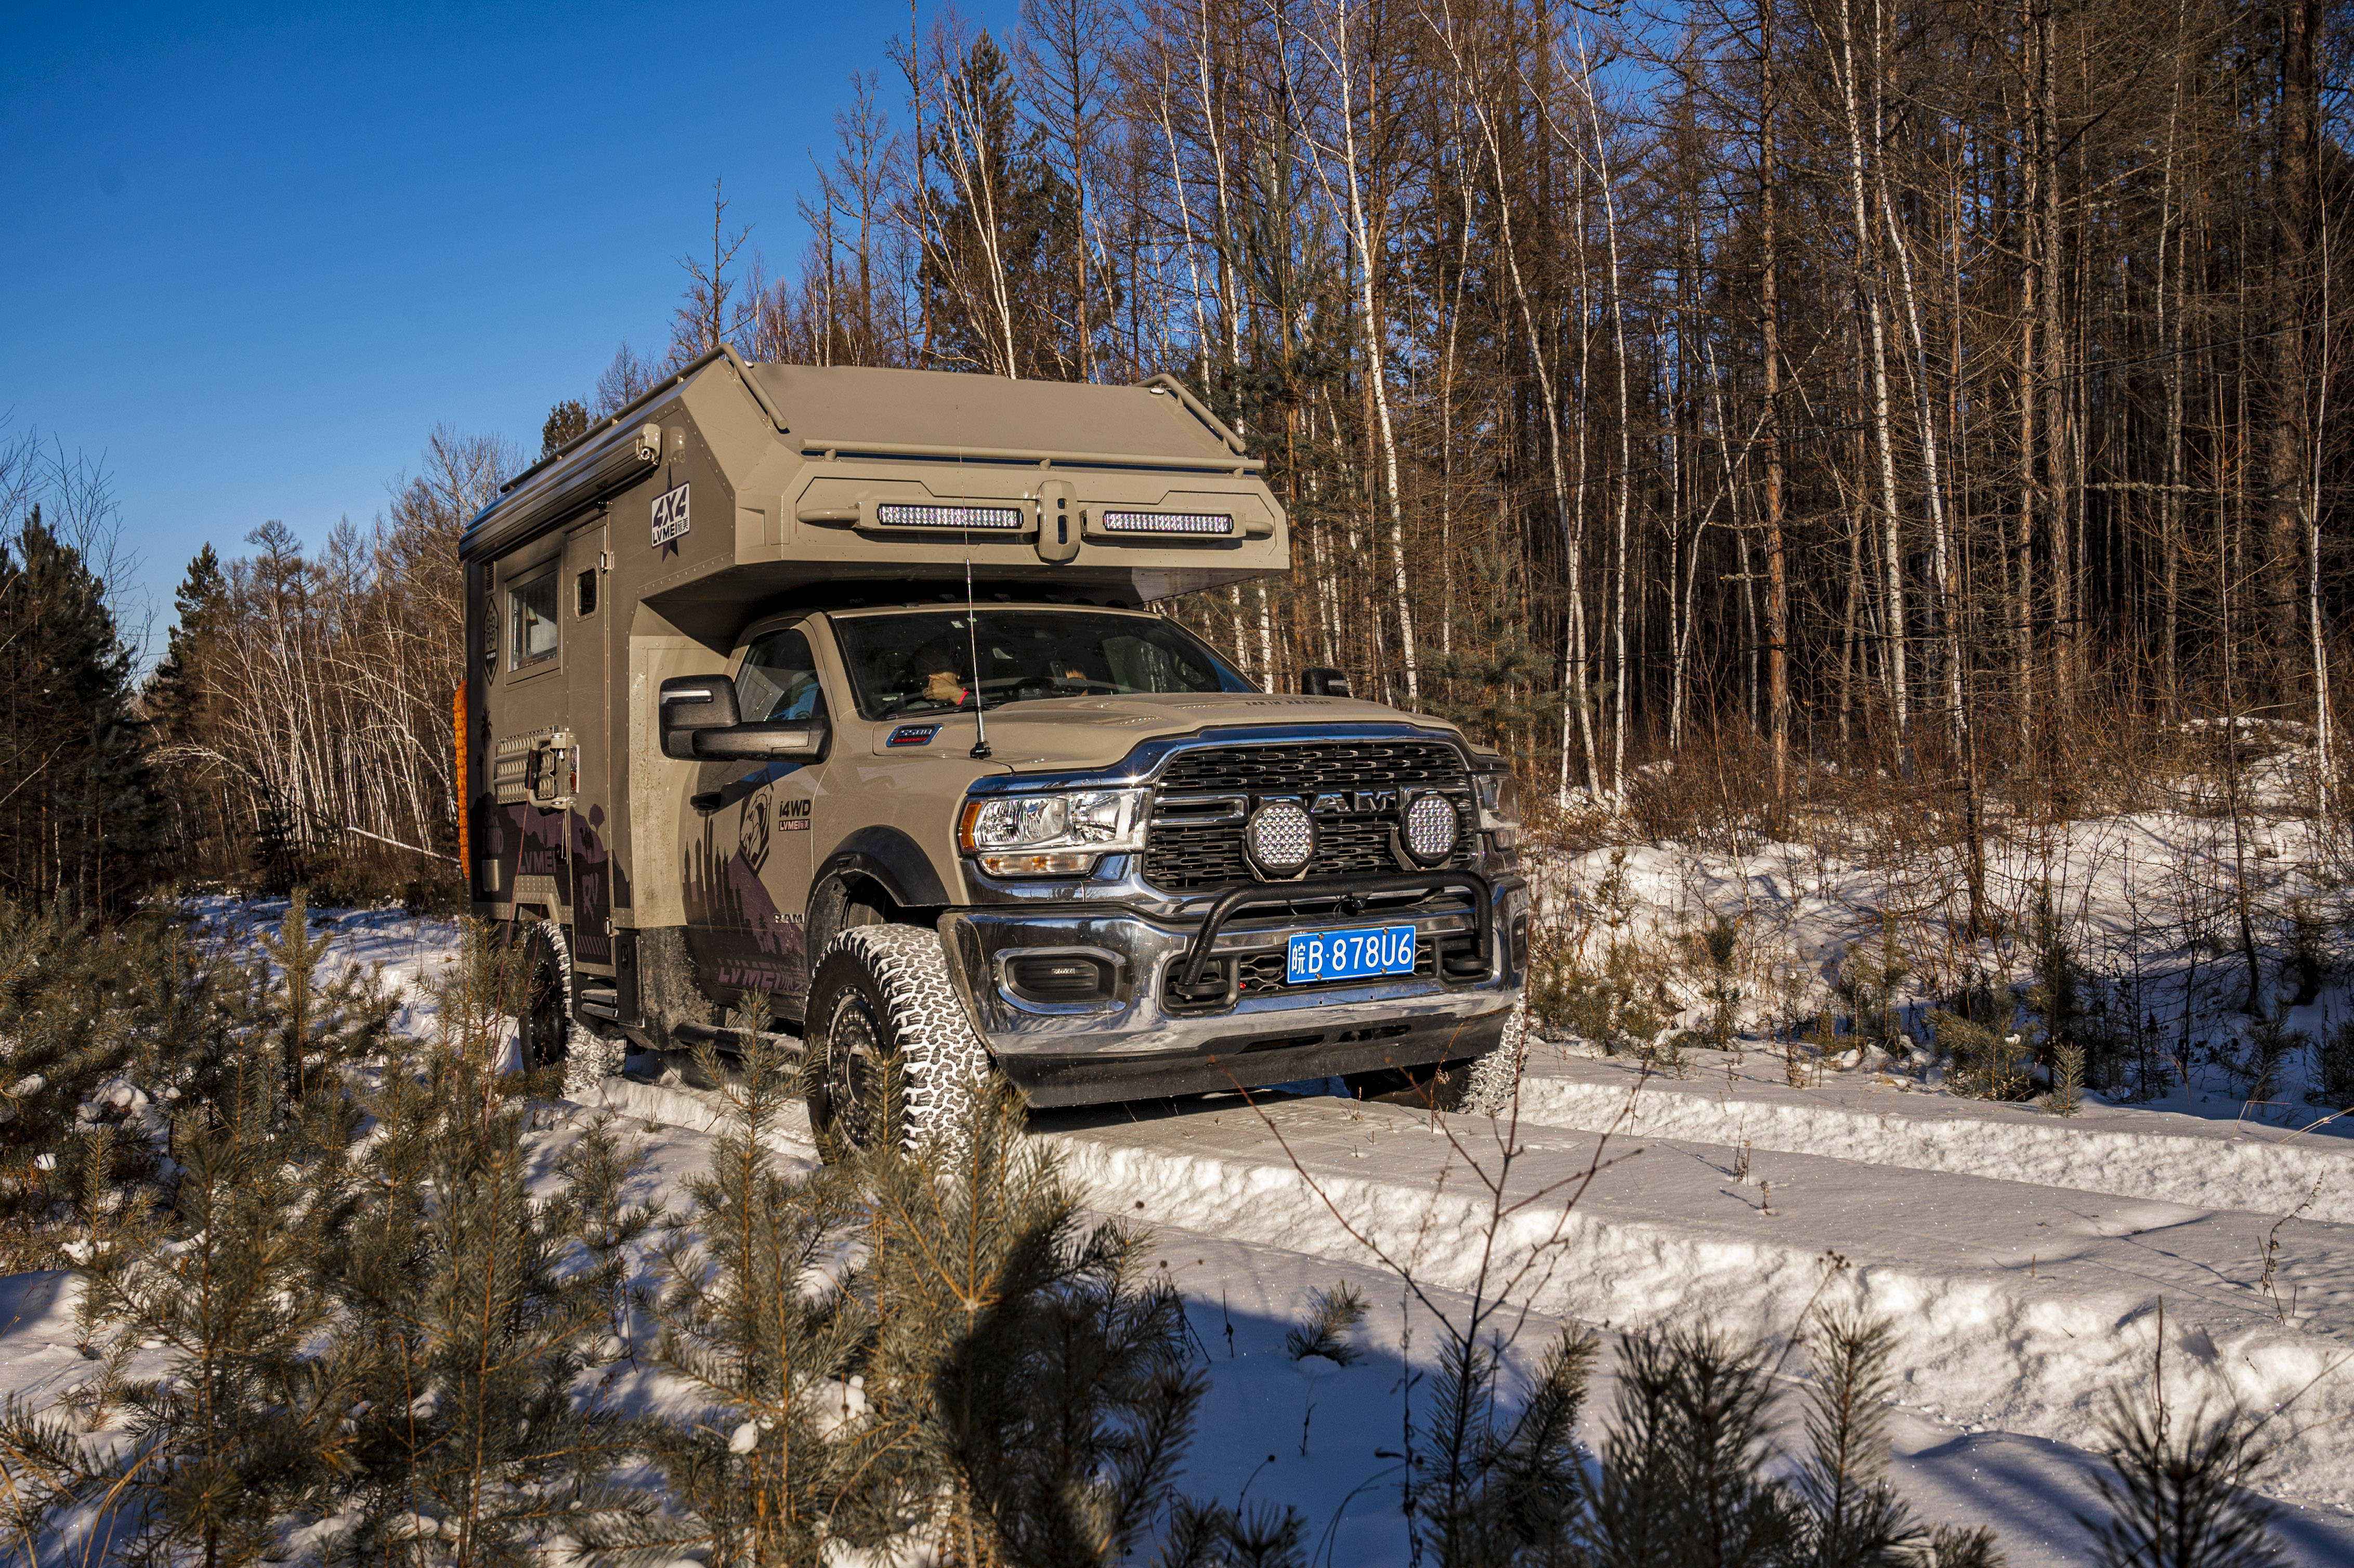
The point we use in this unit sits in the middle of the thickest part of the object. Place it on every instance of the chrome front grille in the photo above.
(1195, 839)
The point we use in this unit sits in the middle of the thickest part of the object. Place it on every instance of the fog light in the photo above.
(1059, 977)
(1280, 838)
(1431, 827)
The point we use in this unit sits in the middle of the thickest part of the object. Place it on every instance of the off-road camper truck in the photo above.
(836, 688)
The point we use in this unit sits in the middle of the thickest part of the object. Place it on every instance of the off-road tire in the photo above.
(1490, 1081)
(881, 1001)
(547, 1031)
(1480, 1086)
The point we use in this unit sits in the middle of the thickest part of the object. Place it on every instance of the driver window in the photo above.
(778, 683)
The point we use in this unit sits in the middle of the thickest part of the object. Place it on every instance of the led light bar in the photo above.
(891, 514)
(1168, 522)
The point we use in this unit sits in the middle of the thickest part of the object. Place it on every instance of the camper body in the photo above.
(807, 691)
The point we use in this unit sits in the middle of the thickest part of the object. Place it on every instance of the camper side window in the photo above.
(778, 683)
(531, 620)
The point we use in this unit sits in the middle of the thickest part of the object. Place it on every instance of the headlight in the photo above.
(1500, 806)
(1052, 835)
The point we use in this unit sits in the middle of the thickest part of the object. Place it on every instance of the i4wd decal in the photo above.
(670, 519)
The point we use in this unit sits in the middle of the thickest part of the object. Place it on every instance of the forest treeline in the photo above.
(1927, 386)
(1910, 376)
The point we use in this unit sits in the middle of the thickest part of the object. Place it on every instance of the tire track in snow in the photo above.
(2215, 1171)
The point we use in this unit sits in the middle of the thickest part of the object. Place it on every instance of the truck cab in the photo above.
(829, 705)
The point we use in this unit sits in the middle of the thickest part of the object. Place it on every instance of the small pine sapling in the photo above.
(1853, 1518)
(318, 1024)
(1211, 1535)
(2271, 1043)
(1868, 987)
(2333, 1072)
(1029, 1391)
(92, 1022)
(1684, 1461)
(2176, 1489)
(244, 1424)
(1324, 1330)
(474, 1019)
(1721, 941)
(466, 1321)
(763, 1317)
(1987, 1056)
(1506, 1491)
(2066, 1096)
(607, 1221)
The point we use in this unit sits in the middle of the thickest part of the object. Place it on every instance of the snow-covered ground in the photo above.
(2026, 1261)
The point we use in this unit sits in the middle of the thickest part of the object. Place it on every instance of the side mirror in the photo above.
(1317, 680)
(802, 740)
(692, 702)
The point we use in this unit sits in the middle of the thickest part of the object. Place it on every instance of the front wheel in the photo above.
(1477, 1086)
(885, 1026)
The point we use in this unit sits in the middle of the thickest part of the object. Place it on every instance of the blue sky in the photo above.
(255, 254)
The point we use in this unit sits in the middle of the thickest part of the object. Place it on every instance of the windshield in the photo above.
(922, 662)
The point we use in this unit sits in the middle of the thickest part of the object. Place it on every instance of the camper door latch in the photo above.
(552, 772)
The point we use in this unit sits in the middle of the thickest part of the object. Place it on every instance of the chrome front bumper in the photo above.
(1133, 1045)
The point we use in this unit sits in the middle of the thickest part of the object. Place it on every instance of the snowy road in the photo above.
(2016, 1304)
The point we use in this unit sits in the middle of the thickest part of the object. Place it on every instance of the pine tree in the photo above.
(1684, 1472)
(995, 259)
(1027, 1393)
(1498, 682)
(103, 1022)
(601, 1174)
(467, 1317)
(315, 1024)
(1507, 1491)
(277, 845)
(236, 1287)
(1854, 1517)
(2056, 994)
(763, 1319)
(183, 709)
(2176, 1488)
(80, 821)
(566, 421)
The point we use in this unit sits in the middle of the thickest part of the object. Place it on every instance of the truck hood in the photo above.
(1097, 732)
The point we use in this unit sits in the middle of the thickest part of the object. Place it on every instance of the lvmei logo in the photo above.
(670, 518)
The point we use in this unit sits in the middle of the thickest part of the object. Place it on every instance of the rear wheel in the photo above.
(546, 1032)
(544, 997)
(882, 1012)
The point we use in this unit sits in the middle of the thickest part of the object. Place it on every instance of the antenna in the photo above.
(972, 646)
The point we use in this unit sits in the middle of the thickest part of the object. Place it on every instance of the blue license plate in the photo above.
(1315, 956)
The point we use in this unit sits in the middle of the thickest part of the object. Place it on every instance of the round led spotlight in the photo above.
(1428, 829)
(1280, 839)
